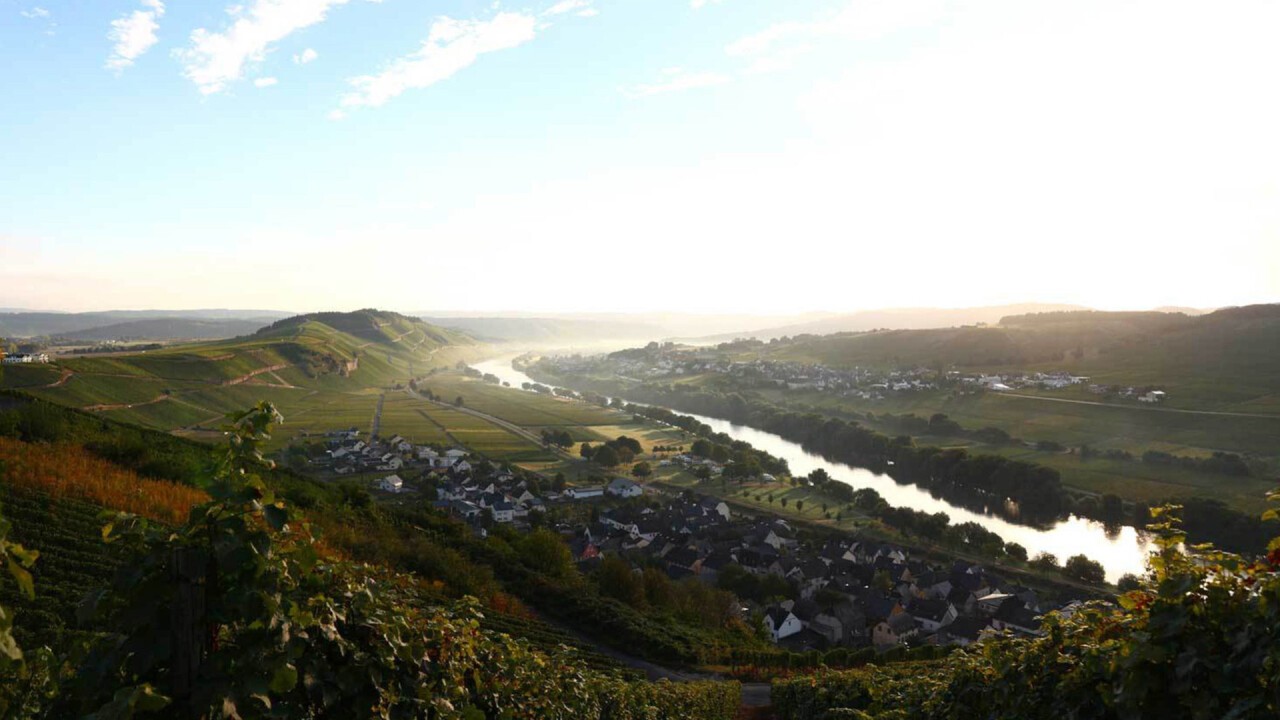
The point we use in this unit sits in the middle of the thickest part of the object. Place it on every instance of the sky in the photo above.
(753, 156)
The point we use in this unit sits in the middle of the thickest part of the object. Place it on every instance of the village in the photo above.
(675, 361)
(807, 591)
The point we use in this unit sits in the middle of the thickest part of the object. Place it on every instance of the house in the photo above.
(391, 483)
(624, 488)
(502, 512)
(455, 453)
(584, 493)
(781, 623)
(933, 614)
(1015, 616)
(1154, 396)
(895, 630)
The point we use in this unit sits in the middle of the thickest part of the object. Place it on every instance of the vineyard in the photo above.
(73, 560)
(545, 638)
(66, 471)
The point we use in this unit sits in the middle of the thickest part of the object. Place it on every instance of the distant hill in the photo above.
(40, 324)
(896, 319)
(548, 330)
(1229, 354)
(167, 328)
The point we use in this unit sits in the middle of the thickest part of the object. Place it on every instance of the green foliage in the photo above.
(1199, 638)
(237, 614)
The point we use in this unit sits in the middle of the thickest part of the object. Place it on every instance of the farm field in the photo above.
(517, 406)
(1103, 426)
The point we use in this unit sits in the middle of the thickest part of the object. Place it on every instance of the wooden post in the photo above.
(187, 624)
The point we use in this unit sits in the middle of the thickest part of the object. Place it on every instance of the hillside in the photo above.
(315, 367)
(1227, 354)
(895, 319)
(101, 595)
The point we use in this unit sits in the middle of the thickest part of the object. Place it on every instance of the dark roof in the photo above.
(803, 641)
(967, 627)
(933, 610)
(778, 615)
(901, 623)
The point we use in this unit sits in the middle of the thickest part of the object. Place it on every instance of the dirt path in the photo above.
(255, 373)
(66, 375)
(125, 406)
(492, 420)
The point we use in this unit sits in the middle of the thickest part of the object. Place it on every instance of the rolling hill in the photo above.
(168, 328)
(325, 367)
(25, 324)
(1228, 348)
(896, 319)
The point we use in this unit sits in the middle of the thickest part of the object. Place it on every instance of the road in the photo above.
(1139, 407)
(505, 425)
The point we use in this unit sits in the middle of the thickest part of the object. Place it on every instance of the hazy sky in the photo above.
(701, 155)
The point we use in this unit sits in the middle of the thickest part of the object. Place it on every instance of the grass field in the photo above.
(518, 406)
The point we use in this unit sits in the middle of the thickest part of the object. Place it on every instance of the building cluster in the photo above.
(347, 453)
(23, 358)
(843, 593)
(505, 497)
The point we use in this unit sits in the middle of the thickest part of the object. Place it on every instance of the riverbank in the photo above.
(1119, 551)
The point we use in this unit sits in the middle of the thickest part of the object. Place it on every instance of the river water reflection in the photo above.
(1120, 551)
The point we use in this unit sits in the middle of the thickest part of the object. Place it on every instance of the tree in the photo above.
(1080, 567)
(586, 450)
(819, 477)
(701, 447)
(1015, 551)
(784, 503)
(1128, 583)
(882, 581)
(702, 472)
(544, 551)
(608, 457)
(458, 401)
(799, 506)
(641, 470)
(1045, 561)
(617, 580)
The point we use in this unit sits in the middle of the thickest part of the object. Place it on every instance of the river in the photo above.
(1119, 552)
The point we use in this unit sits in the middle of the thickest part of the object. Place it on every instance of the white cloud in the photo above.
(216, 59)
(675, 80)
(696, 4)
(778, 45)
(307, 55)
(565, 6)
(35, 13)
(451, 46)
(263, 82)
(134, 34)
(588, 12)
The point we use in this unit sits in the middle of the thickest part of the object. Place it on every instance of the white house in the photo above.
(455, 453)
(391, 483)
(584, 493)
(781, 623)
(624, 488)
(502, 512)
